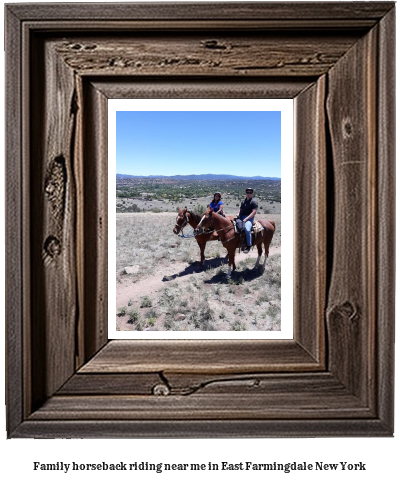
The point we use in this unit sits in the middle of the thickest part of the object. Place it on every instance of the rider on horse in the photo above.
(245, 217)
(217, 204)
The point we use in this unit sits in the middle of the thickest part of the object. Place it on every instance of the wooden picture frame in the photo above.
(335, 378)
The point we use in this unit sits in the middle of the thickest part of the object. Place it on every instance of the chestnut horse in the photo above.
(231, 240)
(188, 217)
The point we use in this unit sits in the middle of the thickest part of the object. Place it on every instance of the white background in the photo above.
(17, 456)
(286, 108)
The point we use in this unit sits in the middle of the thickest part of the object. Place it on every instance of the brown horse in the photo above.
(186, 217)
(231, 240)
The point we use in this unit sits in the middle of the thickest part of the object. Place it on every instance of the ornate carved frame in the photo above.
(63, 62)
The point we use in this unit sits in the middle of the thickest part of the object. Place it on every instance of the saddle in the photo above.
(256, 228)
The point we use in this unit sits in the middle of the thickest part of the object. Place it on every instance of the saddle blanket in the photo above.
(256, 227)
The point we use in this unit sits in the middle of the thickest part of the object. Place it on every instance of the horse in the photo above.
(185, 217)
(231, 240)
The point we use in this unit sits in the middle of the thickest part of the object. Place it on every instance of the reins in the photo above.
(188, 235)
(220, 229)
(204, 231)
(227, 228)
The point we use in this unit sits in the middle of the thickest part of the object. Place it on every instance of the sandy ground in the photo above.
(164, 270)
(179, 272)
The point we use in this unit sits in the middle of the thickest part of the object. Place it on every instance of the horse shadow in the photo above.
(194, 268)
(246, 275)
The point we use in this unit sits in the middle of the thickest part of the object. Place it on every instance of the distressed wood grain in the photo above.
(189, 428)
(351, 306)
(310, 230)
(247, 407)
(359, 13)
(95, 157)
(385, 245)
(53, 220)
(184, 384)
(16, 243)
(200, 356)
(196, 87)
(243, 54)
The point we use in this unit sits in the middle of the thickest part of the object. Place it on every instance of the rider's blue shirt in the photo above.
(215, 206)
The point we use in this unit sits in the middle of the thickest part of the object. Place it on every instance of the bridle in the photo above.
(189, 235)
(183, 224)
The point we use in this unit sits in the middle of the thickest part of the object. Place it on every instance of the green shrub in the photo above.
(238, 326)
(221, 270)
(263, 298)
(146, 302)
(151, 314)
(203, 316)
(133, 316)
(199, 209)
(128, 209)
(122, 311)
(151, 321)
(272, 311)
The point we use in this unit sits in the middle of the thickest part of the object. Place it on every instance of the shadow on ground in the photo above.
(237, 276)
(217, 262)
(195, 269)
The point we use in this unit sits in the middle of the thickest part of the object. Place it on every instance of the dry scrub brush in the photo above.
(207, 301)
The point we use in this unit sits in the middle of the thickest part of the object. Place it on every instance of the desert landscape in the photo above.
(159, 286)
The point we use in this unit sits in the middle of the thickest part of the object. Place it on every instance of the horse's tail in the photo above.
(266, 227)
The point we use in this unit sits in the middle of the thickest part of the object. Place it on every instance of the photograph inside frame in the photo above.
(199, 217)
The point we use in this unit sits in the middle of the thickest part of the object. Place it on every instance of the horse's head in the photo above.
(181, 221)
(205, 220)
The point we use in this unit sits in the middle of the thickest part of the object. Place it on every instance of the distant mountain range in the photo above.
(198, 176)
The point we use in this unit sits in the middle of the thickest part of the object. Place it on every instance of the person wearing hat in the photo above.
(246, 215)
(217, 204)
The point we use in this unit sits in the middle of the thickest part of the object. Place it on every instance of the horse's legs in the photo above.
(202, 252)
(264, 263)
(231, 262)
(266, 254)
(203, 245)
(268, 241)
(259, 245)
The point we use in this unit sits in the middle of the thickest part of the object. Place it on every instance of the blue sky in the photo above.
(198, 142)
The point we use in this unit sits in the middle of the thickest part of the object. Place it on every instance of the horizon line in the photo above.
(194, 174)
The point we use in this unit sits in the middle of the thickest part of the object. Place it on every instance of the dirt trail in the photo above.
(174, 271)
